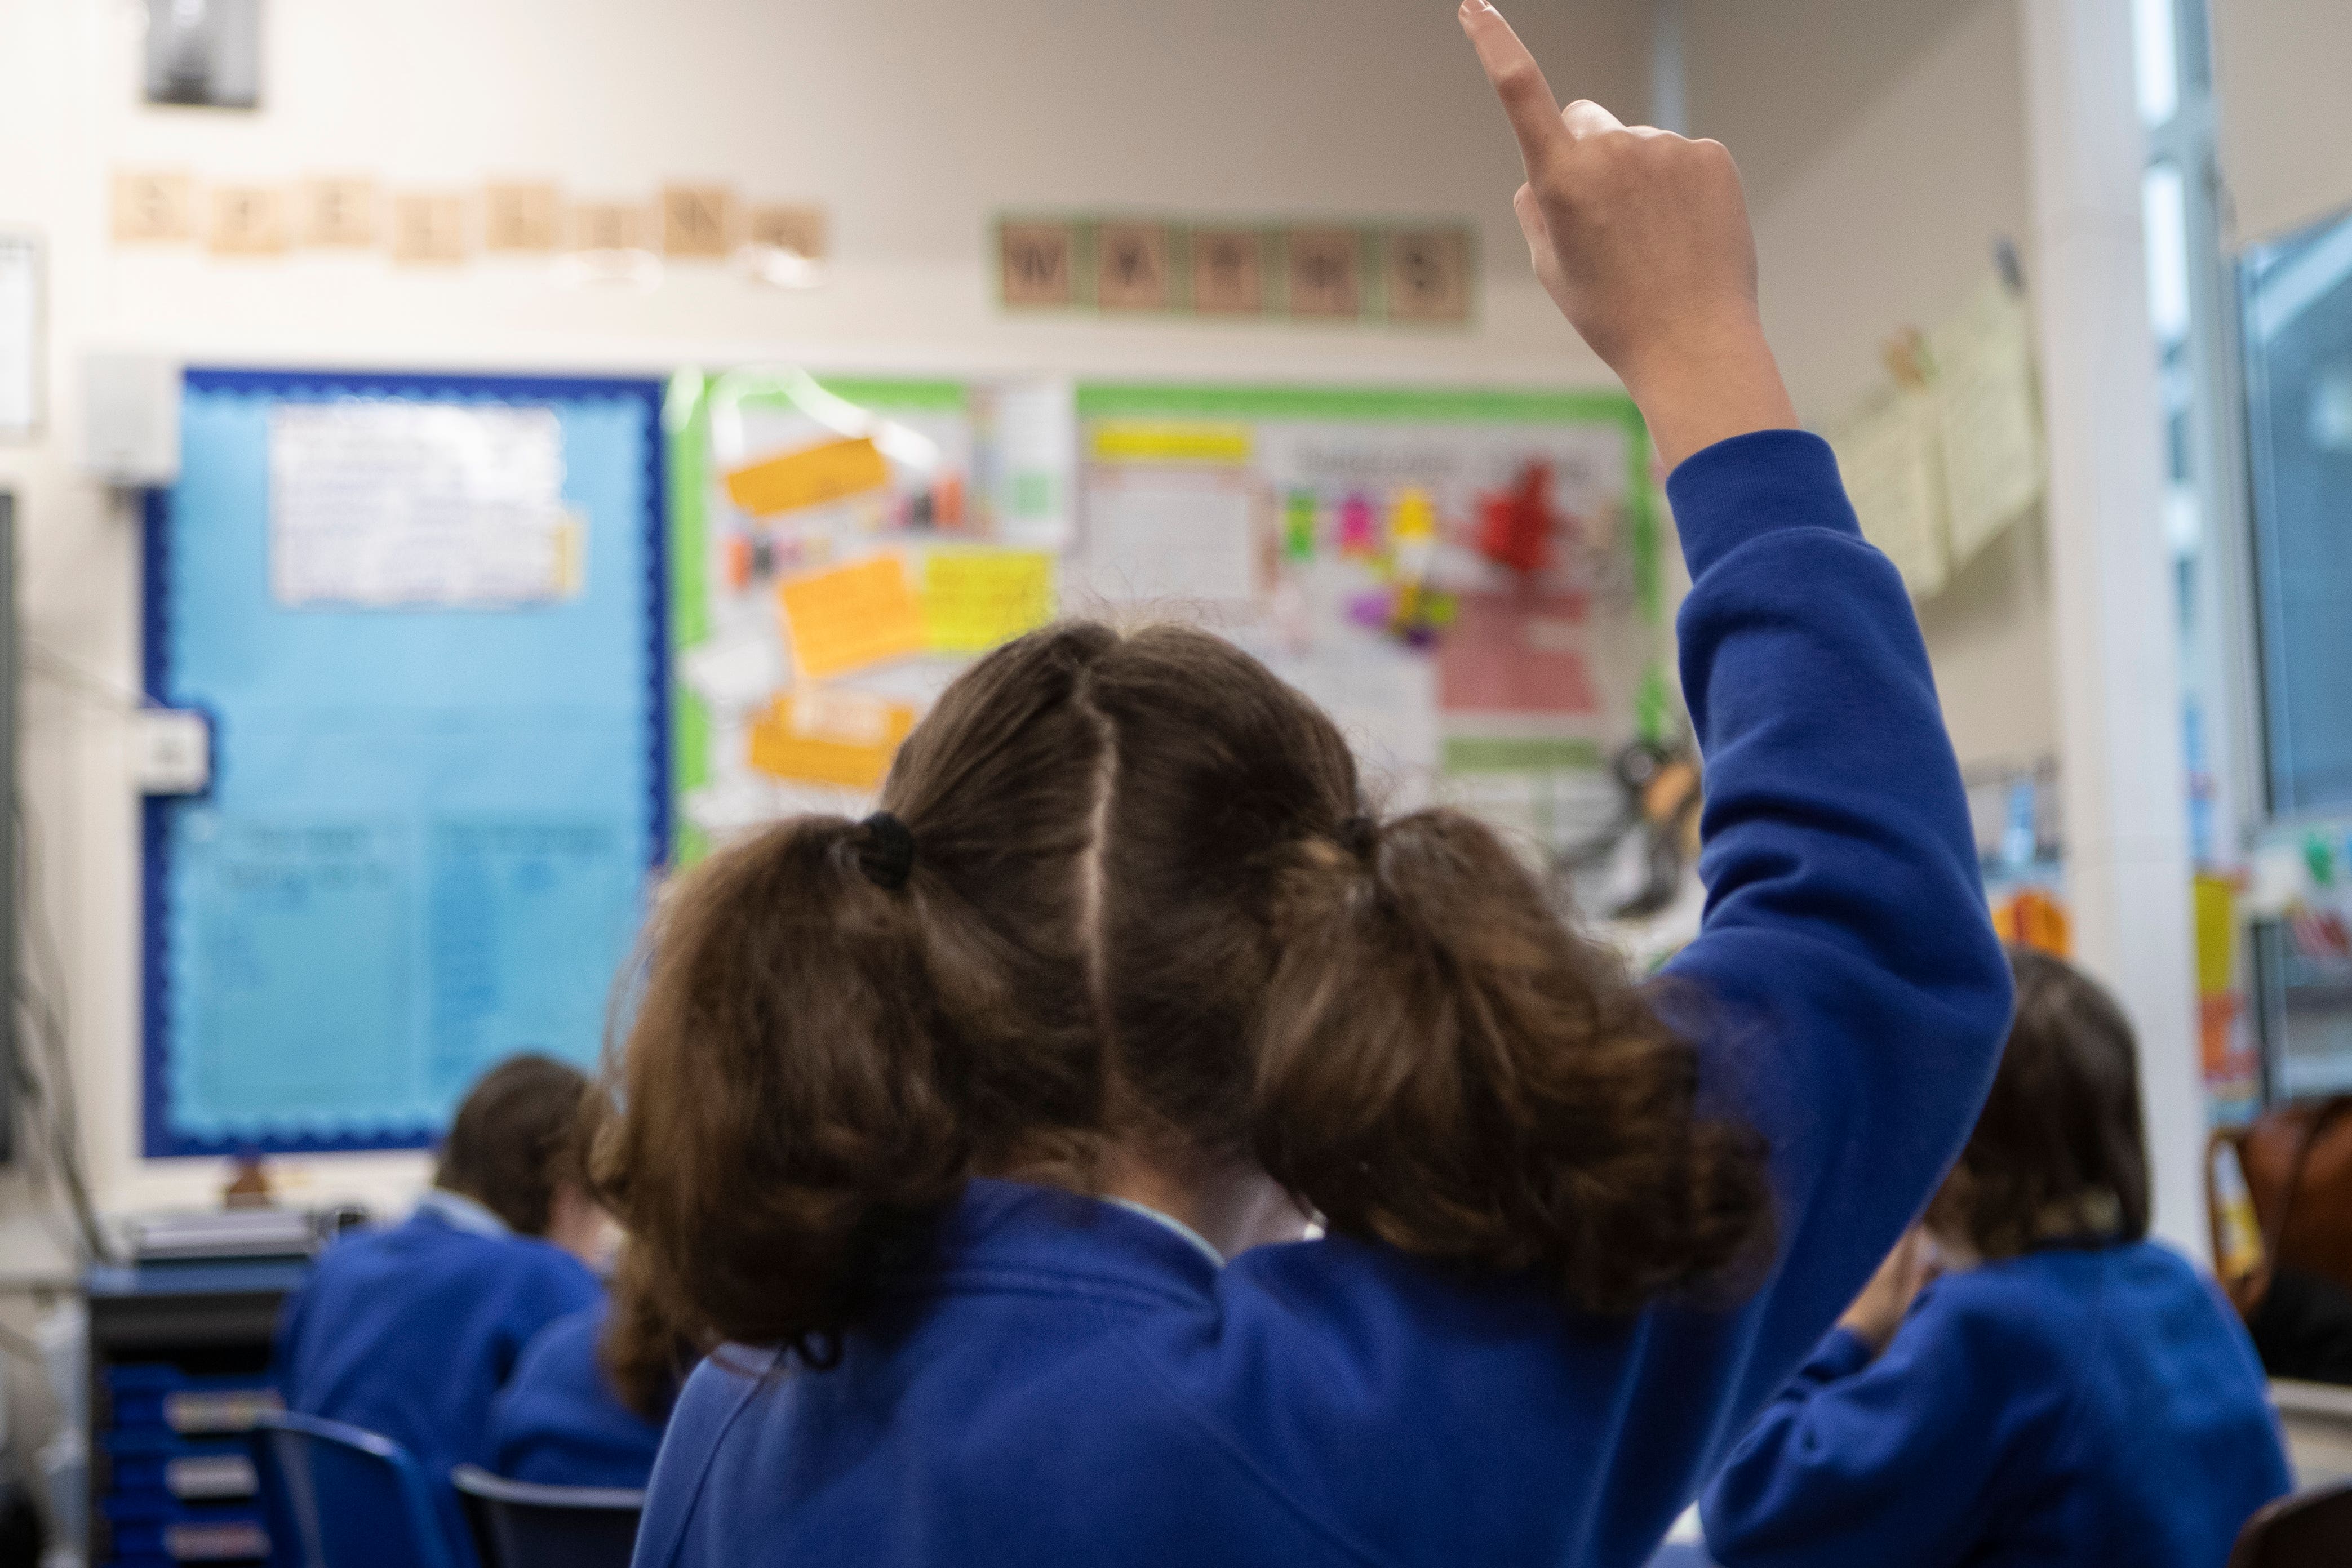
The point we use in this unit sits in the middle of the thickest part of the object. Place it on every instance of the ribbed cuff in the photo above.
(1767, 480)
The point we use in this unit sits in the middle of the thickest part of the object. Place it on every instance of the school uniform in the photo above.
(1063, 1380)
(558, 1421)
(2070, 1406)
(409, 1332)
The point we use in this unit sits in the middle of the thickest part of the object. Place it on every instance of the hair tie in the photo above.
(1360, 836)
(887, 855)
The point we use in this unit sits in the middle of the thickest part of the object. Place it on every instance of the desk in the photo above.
(179, 1356)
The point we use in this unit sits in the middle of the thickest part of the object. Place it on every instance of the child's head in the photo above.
(2057, 1155)
(1148, 910)
(513, 1146)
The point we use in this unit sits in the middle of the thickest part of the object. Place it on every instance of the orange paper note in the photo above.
(846, 739)
(851, 617)
(809, 478)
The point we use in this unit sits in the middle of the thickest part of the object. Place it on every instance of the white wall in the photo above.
(2283, 74)
(912, 121)
(1885, 148)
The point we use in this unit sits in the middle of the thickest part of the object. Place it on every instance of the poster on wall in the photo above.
(1467, 581)
(841, 548)
(436, 804)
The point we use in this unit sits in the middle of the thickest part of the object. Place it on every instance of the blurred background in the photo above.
(745, 369)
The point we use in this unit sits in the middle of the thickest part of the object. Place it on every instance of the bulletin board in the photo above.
(1466, 581)
(842, 546)
(426, 616)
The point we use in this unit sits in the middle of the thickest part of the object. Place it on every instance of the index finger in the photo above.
(1517, 80)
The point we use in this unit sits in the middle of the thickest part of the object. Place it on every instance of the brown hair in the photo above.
(512, 1143)
(644, 1350)
(1147, 904)
(2058, 1155)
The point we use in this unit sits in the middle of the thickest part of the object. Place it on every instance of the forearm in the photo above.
(1721, 382)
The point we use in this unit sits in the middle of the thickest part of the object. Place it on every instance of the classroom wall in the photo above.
(2286, 101)
(1885, 150)
(912, 121)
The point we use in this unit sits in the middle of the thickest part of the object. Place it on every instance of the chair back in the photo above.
(2311, 1530)
(517, 1524)
(337, 1496)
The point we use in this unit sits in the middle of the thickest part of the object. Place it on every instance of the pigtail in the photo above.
(1446, 1068)
(785, 1114)
(643, 1352)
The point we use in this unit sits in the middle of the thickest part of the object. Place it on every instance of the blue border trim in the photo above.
(158, 1140)
(155, 840)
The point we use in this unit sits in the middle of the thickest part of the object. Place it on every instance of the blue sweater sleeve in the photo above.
(1862, 1463)
(1857, 997)
(1851, 1004)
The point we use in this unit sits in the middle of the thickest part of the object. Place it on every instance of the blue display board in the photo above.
(433, 823)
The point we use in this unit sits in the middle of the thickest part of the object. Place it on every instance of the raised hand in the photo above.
(1641, 238)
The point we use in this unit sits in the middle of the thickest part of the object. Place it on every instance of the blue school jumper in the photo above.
(1066, 1382)
(2067, 1408)
(558, 1421)
(409, 1331)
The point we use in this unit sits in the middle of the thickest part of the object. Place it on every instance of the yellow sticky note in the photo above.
(1163, 440)
(851, 617)
(2215, 903)
(846, 739)
(809, 478)
(972, 601)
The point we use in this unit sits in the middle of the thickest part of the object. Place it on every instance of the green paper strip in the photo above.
(1519, 754)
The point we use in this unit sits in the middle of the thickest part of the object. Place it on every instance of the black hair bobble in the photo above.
(1360, 836)
(887, 853)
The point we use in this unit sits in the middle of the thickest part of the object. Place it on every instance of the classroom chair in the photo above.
(517, 1524)
(339, 1496)
(2310, 1530)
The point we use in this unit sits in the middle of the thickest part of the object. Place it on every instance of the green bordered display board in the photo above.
(1468, 580)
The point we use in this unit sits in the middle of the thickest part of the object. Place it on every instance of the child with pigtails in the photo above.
(986, 1130)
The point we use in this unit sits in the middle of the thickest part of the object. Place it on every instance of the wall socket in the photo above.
(171, 751)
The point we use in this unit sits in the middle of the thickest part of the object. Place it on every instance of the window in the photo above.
(2190, 310)
(2297, 322)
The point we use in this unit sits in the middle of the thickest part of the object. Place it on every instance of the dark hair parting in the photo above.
(887, 853)
(1146, 915)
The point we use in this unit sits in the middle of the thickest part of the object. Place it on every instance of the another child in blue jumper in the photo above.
(410, 1332)
(2066, 1393)
(587, 1404)
(969, 1124)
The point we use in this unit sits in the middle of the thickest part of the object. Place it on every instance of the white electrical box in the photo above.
(171, 751)
(130, 419)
